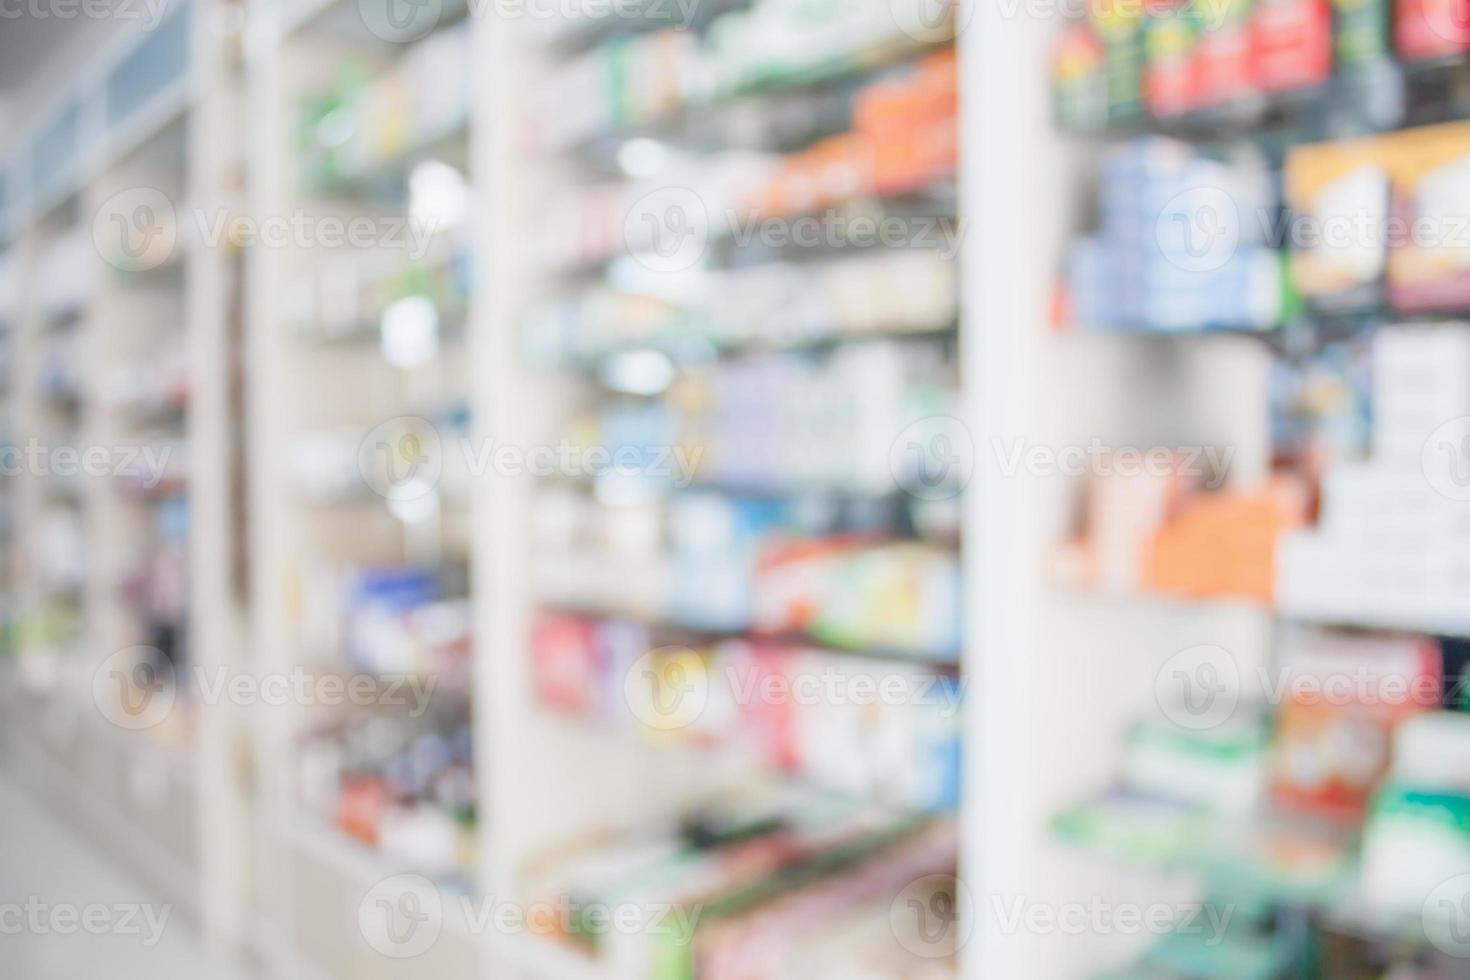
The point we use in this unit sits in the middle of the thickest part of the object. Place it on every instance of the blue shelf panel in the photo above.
(161, 60)
(56, 151)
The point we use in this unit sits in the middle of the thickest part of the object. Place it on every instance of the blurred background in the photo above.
(735, 489)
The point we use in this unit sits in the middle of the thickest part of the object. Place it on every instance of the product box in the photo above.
(1223, 543)
(1079, 79)
(1421, 380)
(1341, 697)
(1137, 826)
(1222, 768)
(1291, 44)
(1180, 244)
(1362, 33)
(1432, 29)
(1429, 261)
(1432, 751)
(1223, 54)
(567, 668)
(1388, 547)
(1119, 25)
(1416, 847)
(1172, 77)
(1338, 199)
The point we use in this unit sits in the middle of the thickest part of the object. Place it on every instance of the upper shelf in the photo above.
(131, 95)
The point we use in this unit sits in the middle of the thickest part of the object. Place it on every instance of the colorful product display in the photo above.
(1388, 547)
(1418, 830)
(903, 140)
(1333, 738)
(725, 564)
(781, 422)
(1383, 221)
(368, 120)
(775, 878)
(875, 729)
(1124, 62)
(348, 298)
(1432, 29)
(1181, 245)
(629, 82)
(401, 784)
(1163, 534)
(393, 620)
(1358, 746)
(781, 304)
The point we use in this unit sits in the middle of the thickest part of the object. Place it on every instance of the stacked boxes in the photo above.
(872, 728)
(1391, 544)
(1382, 220)
(1180, 246)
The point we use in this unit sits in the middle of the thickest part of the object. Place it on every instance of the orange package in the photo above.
(891, 110)
(833, 170)
(1342, 697)
(1224, 543)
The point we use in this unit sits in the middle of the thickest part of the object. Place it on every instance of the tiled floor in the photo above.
(67, 913)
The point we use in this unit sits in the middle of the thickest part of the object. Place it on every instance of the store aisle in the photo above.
(65, 909)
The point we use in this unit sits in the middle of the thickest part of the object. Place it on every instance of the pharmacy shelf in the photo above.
(308, 533)
(1122, 639)
(1053, 678)
(148, 112)
(553, 778)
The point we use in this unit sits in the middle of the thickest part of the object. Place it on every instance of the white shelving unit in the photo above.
(322, 383)
(1055, 678)
(139, 125)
